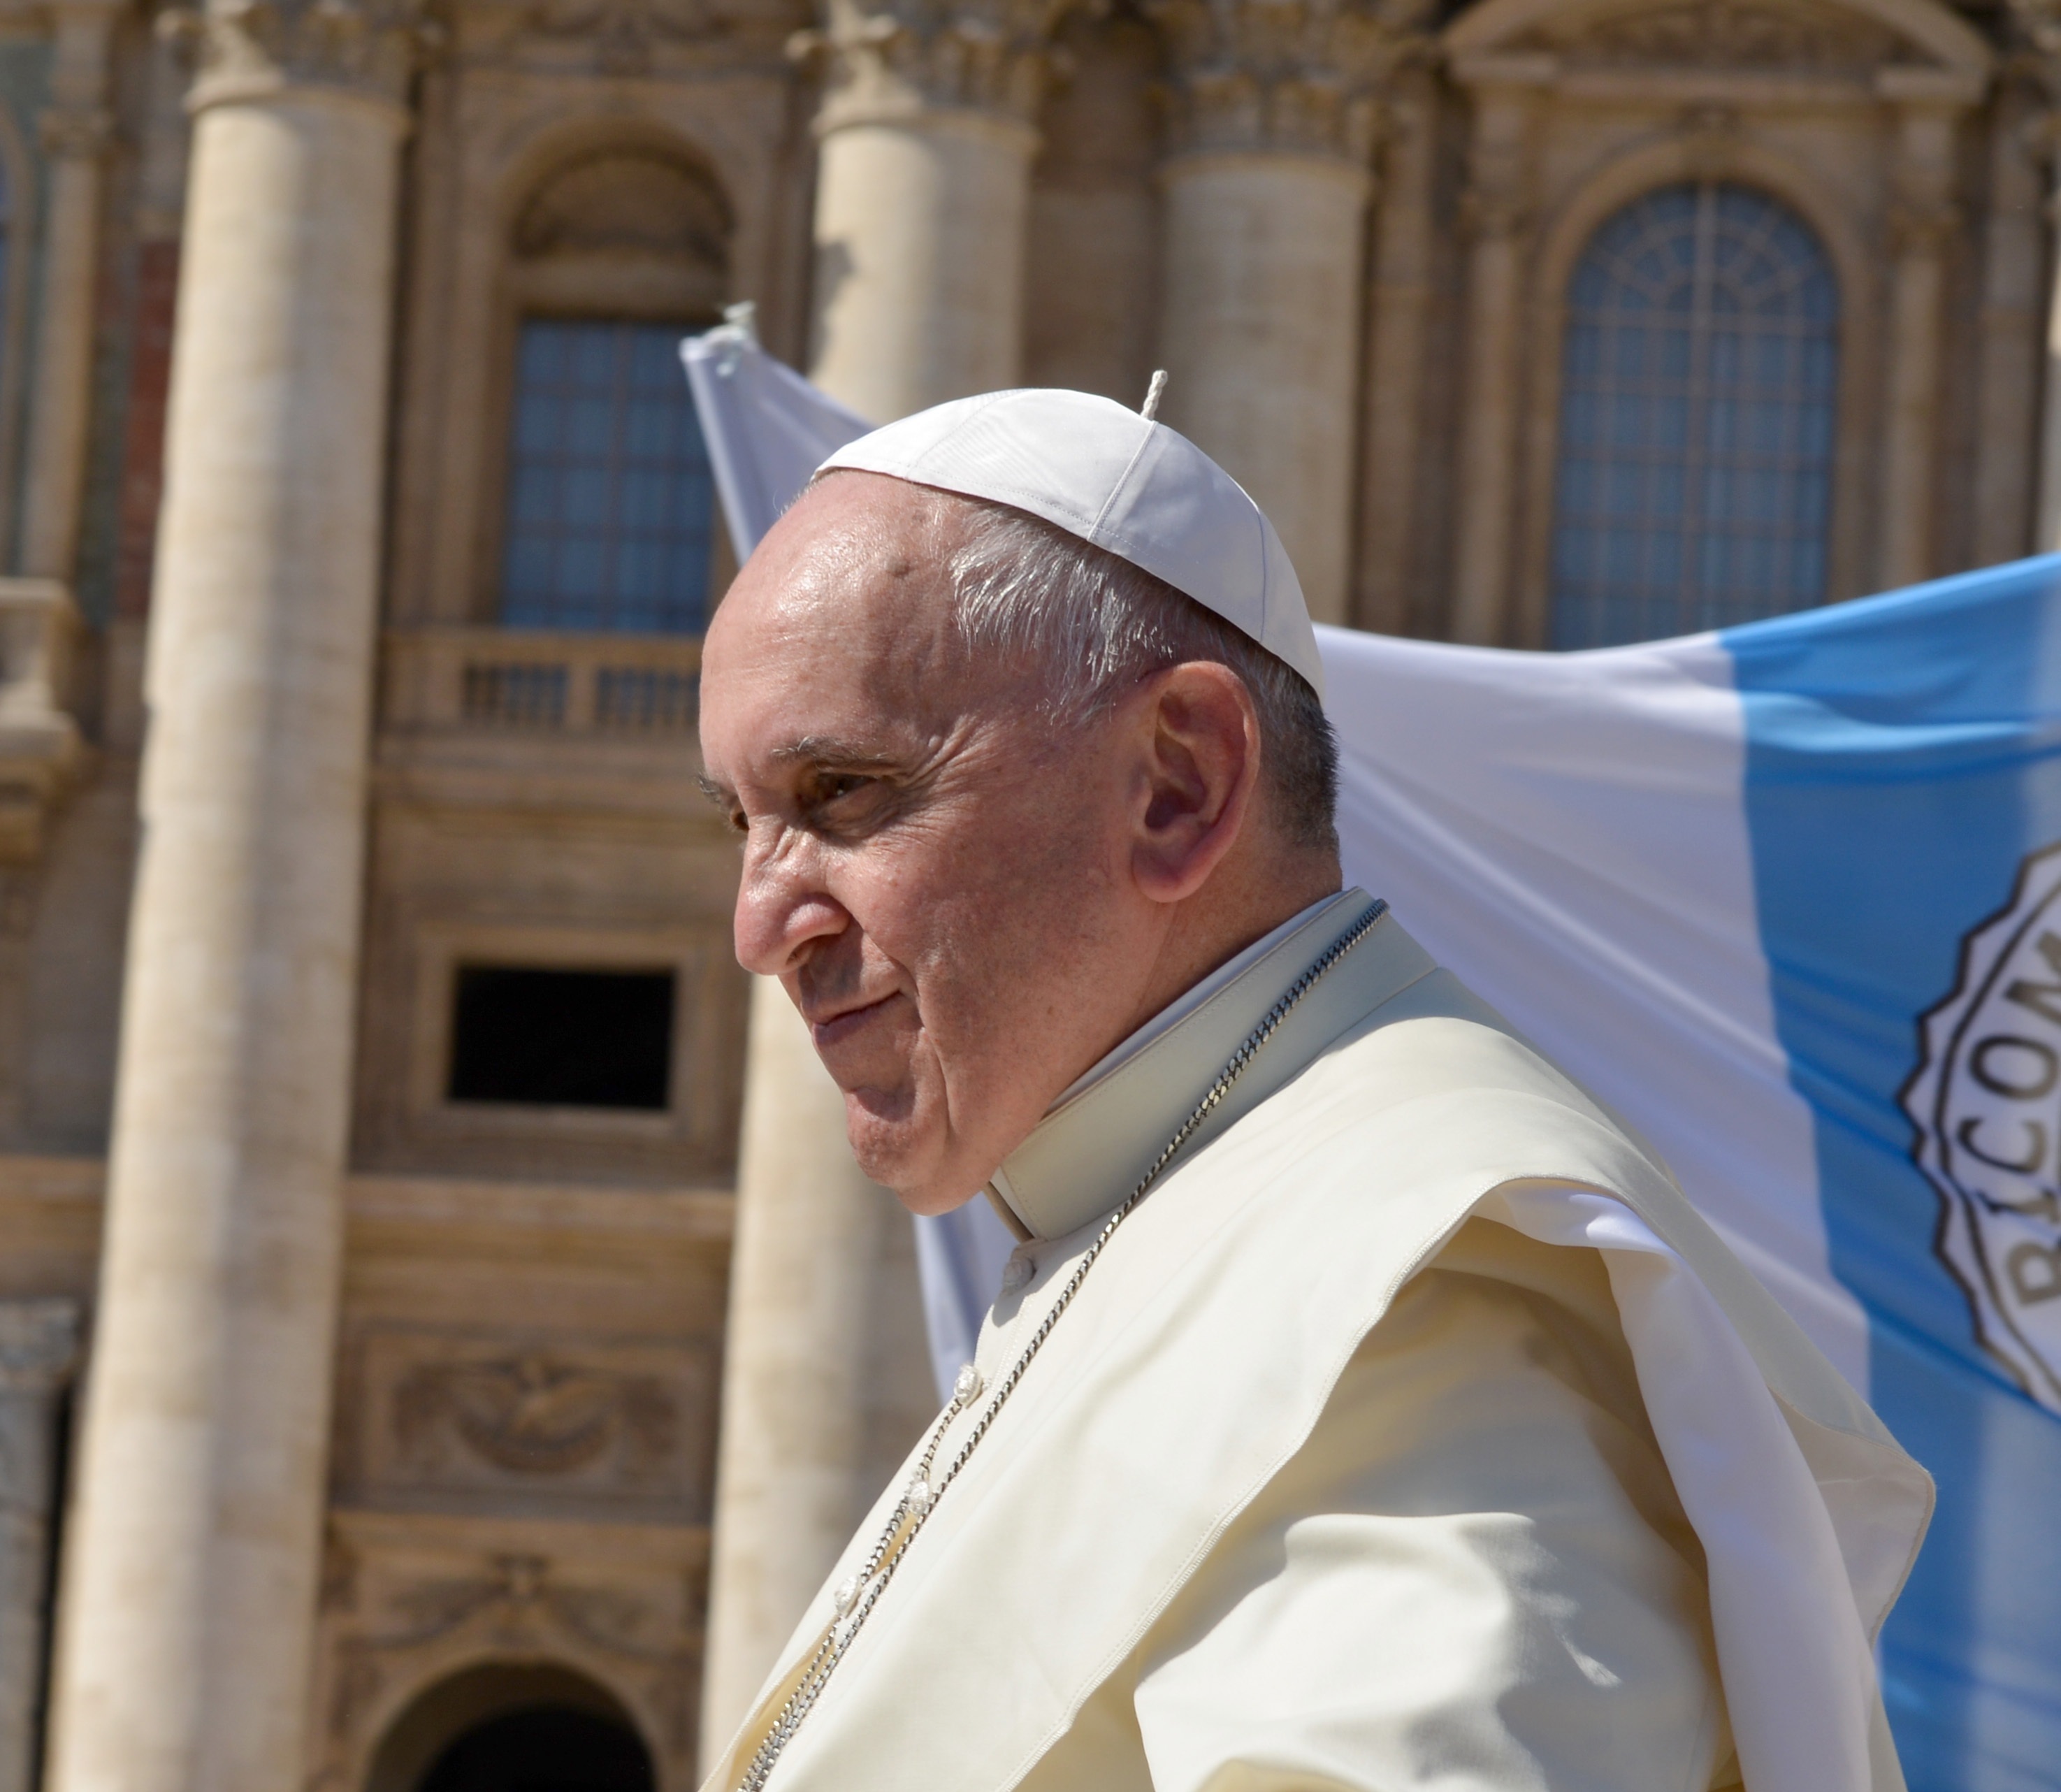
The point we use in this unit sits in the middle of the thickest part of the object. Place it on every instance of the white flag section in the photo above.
(1566, 830)
(1788, 898)
(767, 429)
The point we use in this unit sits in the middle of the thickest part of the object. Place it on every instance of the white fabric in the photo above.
(1113, 478)
(1567, 831)
(765, 427)
(1799, 1679)
(1475, 1573)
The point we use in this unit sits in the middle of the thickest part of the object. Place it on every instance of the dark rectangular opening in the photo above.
(562, 1038)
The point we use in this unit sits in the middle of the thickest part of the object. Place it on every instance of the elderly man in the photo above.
(1364, 1408)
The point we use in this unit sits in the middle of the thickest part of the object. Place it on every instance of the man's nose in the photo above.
(782, 905)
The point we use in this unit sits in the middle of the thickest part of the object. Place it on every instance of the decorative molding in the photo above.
(626, 34)
(902, 58)
(640, 203)
(246, 49)
(518, 1605)
(38, 1345)
(407, 1601)
(1302, 76)
(1726, 34)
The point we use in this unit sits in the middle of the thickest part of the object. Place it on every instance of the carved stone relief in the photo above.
(510, 1424)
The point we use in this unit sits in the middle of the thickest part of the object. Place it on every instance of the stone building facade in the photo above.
(431, 1285)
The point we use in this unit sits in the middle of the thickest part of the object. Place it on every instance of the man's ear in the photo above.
(1198, 734)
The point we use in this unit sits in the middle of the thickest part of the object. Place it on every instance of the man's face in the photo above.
(931, 868)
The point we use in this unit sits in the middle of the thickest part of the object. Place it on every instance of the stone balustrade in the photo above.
(486, 679)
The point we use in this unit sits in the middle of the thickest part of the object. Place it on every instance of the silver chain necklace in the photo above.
(856, 1597)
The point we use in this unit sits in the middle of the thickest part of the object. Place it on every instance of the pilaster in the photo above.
(1495, 214)
(1924, 221)
(1399, 321)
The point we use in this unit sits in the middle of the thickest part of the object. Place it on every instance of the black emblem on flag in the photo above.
(1986, 1100)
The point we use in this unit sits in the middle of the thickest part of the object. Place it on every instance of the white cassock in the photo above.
(1412, 1432)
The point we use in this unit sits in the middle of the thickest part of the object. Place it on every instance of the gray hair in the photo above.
(1024, 589)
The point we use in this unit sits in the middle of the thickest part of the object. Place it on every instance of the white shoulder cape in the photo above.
(1200, 1351)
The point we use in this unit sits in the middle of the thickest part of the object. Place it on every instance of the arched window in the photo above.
(610, 519)
(1698, 391)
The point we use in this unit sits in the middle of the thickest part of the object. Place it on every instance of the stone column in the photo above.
(789, 1482)
(1272, 114)
(75, 130)
(1495, 211)
(923, 200)
(1924, 220)
(38, 1345)
(191, 1568)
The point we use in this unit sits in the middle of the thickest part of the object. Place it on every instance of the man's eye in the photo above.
(835, 784)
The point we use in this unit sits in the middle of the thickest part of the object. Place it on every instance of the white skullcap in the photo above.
(1117, 479)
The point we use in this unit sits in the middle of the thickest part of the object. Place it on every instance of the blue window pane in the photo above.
(611, 506)
(1699, 381)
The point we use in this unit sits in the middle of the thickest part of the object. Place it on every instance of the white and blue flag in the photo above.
(1787, 896)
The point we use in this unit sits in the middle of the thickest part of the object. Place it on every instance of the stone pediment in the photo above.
(1800, 37)
(1722, 35)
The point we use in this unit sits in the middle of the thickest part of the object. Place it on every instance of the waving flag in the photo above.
(1788, 898)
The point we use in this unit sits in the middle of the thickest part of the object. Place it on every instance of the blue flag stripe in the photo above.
(1903, 759)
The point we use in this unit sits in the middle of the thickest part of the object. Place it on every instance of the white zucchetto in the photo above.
(1118, 480)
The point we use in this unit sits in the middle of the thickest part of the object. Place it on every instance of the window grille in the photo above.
(611, 501)
(1697, 409)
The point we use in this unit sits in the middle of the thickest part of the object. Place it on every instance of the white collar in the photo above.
(1102, 1135)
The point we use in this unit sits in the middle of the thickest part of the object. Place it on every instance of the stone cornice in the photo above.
(1300, 77)
(244, 49)
(899, 58)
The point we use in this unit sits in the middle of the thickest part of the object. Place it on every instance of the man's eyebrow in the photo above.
(826, 750)
(715, 792)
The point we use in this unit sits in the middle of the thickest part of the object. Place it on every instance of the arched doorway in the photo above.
(502, 1727)
(1698, 402)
